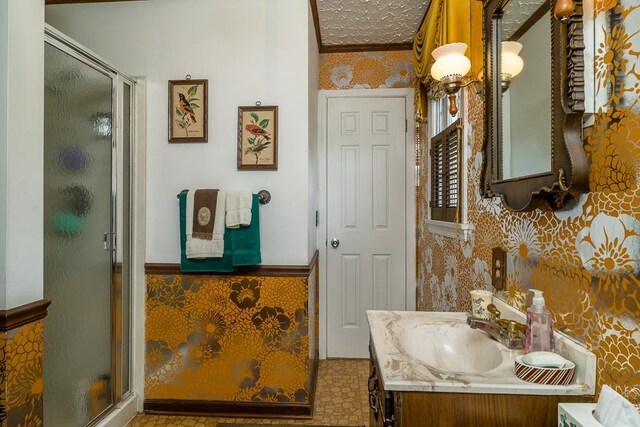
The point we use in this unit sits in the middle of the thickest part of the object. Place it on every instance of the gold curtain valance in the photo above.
(447, 21)
(424, 40)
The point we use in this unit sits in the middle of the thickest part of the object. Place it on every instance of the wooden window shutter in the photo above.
(445, 174)
(437, 175)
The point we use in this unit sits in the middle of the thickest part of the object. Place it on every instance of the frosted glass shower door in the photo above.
(78, 242)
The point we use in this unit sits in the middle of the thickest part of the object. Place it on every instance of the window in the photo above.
(447, 186)
(445, 165)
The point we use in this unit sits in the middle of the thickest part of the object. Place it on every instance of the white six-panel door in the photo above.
(365, 217)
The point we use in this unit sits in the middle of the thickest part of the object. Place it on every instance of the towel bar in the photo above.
(264, 196)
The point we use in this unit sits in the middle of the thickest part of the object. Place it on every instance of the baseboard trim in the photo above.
(254, 270)
(313, 382)
(19, 316)
(231, 409)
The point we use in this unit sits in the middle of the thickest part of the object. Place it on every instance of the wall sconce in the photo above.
(510, 63)
(450, 66)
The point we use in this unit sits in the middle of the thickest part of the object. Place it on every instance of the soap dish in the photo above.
(549, 376)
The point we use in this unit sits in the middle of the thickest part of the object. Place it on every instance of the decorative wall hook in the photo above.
(264, 197)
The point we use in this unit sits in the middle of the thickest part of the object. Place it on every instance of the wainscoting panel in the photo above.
(231, 344)
(21, 359)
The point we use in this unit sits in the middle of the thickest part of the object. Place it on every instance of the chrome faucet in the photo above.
(506, 332)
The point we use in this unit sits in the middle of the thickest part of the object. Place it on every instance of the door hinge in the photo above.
(406, 125)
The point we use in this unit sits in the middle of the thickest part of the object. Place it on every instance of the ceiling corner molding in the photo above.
(316, 23)
(349, 46)
(424, 16)
(52, 2)
(345, 48)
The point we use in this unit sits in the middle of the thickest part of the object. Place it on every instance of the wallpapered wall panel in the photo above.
(3, 380)
(230, 338)
(21, 383)
(586, 259)
(366, 70)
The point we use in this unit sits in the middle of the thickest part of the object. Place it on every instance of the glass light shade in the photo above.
(450, 60)
(511, 64)
(102, 125)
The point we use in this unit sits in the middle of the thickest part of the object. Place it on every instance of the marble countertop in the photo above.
(402, 372)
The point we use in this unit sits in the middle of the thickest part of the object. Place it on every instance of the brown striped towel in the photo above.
(204, 213)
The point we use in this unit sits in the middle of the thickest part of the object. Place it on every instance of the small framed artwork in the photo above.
(188, 110)
(258, 137)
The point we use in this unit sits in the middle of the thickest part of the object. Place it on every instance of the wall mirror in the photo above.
(534, 98)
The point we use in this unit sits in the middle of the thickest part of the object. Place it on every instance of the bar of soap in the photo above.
(544, 359)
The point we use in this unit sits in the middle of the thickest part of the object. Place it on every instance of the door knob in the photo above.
(335, 243)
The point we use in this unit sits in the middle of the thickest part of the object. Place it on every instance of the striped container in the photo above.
(549, 376)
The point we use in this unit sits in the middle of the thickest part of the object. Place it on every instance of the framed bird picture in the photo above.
(258, 137)
(188, 110)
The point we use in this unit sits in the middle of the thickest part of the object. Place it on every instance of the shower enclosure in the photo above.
(87, 222)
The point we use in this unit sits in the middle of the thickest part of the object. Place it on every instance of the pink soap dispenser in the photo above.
(539, 332)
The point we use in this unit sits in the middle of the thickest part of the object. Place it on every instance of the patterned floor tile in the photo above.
(341, 400)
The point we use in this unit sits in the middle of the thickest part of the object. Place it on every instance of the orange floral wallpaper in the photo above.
(366, 70)
(21, 382)
(3, 380)
(230, 338)
(586, 259)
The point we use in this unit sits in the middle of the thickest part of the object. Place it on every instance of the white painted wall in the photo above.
(4, 101)
(314, 72)
(506, 134)
(249, 50)
(21, 151)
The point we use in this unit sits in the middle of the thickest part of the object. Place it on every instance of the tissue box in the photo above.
(577, 415)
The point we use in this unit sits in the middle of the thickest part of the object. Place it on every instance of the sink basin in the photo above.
(438, 352)
(453, 347)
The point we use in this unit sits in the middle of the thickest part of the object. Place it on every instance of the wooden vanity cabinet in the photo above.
(381, 402)
(434, 409)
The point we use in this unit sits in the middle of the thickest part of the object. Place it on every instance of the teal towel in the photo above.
(241, 245)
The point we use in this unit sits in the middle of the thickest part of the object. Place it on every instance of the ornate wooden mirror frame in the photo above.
(569, 167)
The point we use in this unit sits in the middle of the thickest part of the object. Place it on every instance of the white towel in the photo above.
(238, 209)
(201, 248)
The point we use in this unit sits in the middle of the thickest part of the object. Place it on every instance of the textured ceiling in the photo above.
(349, 22)
(516, 14)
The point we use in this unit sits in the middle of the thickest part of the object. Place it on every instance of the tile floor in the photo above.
(341, 400)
